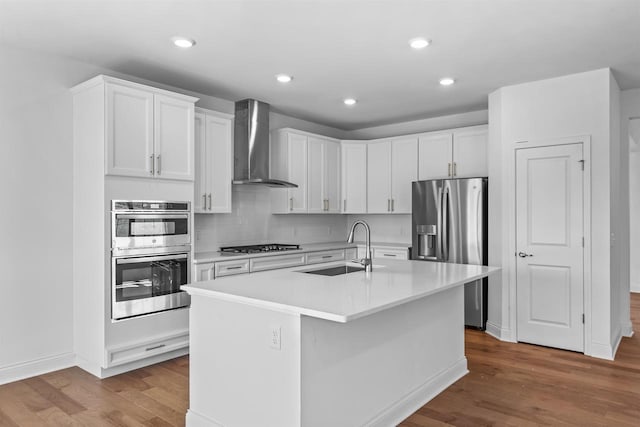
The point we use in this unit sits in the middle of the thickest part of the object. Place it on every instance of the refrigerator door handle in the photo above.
(445, 225)
(439, 229)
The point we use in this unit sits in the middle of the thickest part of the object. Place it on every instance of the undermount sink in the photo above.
(335, 271)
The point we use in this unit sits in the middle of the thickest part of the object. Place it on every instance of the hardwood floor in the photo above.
(508, 384)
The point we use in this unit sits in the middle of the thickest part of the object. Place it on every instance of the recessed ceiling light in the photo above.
(283, 78)
(350, 101)
(419, 43)
(447, 81)
(183, 42)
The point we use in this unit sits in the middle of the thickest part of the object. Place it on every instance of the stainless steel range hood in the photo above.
(251, 145)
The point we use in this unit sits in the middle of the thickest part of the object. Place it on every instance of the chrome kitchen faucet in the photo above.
(366, 261)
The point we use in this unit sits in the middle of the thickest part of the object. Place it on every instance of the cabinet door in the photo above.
(354, 177)
(129, 131)
(297, 162)
(173, 138)
(204, 272)
(332, 176)
(315, 175)
(404, 170)
(219, 160)
(379, 177)
(200, 185)
(434, 156)
(470, 153)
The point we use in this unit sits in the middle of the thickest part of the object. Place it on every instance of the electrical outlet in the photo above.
(275, 336)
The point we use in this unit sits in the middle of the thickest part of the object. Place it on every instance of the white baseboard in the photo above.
(402, 409)
(602, 351)
(502, 334)
(116, 370)
(36, 367)
(627, 329)
(635, 287)
(194, 419)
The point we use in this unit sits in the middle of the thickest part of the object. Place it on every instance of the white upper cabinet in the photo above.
(391, 167)
(214, 161)
(379, 177)
(470, 152)
(313, 163)
(173, 137)
(404, 170)
(460, 153)
(149, 132)
(289, 163)
(354, 177)
(323, 172)
(129, 131)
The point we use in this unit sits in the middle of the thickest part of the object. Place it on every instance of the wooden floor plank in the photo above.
(509, 384)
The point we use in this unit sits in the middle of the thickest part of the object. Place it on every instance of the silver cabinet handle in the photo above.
(454, 169)
(209, 201)
(393, 202)
(237, 267)
(393, 255)
(449, 170)
(158, 168)
(327, 256)
(152, 168)
(290, 203)
(388, 205)
(524, 255)
(204, 200)
(155, 347)
(344, 205)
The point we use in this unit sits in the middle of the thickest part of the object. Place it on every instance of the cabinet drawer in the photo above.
(273, 262)
(325, 256)
(228, 268)
(390, 253)
(129, 353)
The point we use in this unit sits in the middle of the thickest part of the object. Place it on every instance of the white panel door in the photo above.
(404, 170)
(470, 153)
(173, 128)
(379, 177)
(315, 175)
(297, 161)
(549, 209)
(332, 175)
(129, 130)
(219, 163)
(434, 156)
(200, 185)
(354, 177)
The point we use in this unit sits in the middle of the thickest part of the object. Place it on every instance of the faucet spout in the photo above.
(366, 261)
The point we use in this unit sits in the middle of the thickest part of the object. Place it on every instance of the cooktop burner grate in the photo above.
(253, 249)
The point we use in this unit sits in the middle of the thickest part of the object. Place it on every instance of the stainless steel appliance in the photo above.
(253, 249)
(251, 145)
(150, 257)
(449, 223)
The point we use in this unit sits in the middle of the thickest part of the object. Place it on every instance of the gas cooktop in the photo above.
(255, 249)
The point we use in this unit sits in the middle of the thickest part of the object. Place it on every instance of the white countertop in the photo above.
(214, 256)
(340, 298)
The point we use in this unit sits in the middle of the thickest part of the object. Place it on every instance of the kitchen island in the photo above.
(293, 348)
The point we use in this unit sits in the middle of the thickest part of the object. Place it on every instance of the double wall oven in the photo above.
(150, 256)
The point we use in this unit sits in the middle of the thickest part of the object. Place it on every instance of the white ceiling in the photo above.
(336, 49)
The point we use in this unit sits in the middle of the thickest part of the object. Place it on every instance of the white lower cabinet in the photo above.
(229, 268)
(275, 262)
(204, 272)
(325, 256)
(140, 350)
(385, 252)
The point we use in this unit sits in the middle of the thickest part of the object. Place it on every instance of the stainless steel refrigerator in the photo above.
(449, 223)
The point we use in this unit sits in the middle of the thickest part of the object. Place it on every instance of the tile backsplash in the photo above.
(251, 222)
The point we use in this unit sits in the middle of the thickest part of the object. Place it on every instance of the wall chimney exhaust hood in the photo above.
(251, 145)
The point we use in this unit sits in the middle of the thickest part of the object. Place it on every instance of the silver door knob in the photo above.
(524, 255)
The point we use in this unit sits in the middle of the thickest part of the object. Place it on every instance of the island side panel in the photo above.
(379, 369)
(236, 378)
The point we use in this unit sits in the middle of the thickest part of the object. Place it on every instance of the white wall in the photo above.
(579, 104)
(630, 110)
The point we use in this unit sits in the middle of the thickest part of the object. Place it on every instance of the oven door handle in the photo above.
(149, 258)
(153, 216)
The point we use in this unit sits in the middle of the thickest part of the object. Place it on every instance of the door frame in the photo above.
(509, 258)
